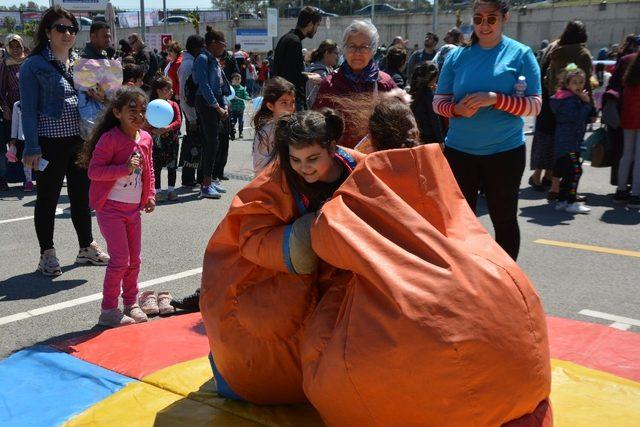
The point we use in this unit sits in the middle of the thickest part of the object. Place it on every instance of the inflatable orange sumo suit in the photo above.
(254, 305)
(438, 325)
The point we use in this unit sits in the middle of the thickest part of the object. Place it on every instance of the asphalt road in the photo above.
(35, 309)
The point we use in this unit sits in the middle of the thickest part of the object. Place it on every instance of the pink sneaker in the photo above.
(149, 303)
(164, 303)
(28, 187)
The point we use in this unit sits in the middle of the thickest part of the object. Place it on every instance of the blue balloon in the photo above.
(257, 102)
(159, 113)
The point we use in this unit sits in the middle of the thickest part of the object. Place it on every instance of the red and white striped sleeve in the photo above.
(519, 105)
(443, 105)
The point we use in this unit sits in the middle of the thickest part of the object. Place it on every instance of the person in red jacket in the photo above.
(630, 123)
(358, 75)
(174, 56)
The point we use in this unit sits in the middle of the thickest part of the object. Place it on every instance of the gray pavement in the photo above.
(175, 235)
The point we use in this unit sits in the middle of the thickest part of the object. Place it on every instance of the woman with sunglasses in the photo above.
(51, 125)
(477, 92)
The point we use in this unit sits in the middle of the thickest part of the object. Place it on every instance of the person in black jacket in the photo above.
(288, 61)
(423, 80)
(396, 60)
(145, 58)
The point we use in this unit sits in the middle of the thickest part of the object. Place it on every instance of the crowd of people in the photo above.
(408, 142)
(468, 95)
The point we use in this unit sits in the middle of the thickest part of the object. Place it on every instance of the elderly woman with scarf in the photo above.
(357, 78)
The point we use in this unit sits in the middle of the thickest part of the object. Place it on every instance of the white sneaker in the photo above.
(92, 254)
(560, 206)
(49, 264)
(577, 208)
(135, 312)
(114, 318)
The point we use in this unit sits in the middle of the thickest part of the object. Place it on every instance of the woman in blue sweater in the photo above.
(477, 92)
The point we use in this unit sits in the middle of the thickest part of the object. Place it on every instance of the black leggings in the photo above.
(569, 169)
(62, 154)
(499, 175)
(209, 125)
(171, 176)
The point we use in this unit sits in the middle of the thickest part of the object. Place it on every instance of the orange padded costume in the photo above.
(253, 304)
(438, 326)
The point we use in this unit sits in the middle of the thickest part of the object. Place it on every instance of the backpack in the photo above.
(190, 90)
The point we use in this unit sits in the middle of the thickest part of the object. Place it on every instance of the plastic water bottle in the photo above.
(521, 86)
(139, 156)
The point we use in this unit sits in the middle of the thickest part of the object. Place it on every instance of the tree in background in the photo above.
(195, 21)
(9, 24)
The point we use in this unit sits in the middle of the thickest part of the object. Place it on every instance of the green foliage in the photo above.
(9, 24)
(195, 21)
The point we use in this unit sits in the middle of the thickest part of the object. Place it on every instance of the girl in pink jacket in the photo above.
(119, 159)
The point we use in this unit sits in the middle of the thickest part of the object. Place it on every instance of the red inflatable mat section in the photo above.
(595, 346)
(139, 350)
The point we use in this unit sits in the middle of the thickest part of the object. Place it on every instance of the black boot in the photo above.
(188, 304)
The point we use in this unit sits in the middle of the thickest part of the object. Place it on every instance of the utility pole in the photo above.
(435, 16)
(373, 7)
(164, 12)
(142, 26)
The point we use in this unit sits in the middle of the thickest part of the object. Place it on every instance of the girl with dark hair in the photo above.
(422, 85)
(51, 125)
(323, 61)
(392, 126)
(570, 105)
(480, 89)
(278, 99)
(630, 124)
(165, 141)
(119, 160)
(259, 282)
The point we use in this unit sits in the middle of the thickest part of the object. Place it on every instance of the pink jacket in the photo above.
(109, 162)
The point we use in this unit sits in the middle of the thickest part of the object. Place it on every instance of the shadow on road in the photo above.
(35, 285)
(545, 215)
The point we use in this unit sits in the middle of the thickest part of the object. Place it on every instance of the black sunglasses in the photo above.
(61, 28)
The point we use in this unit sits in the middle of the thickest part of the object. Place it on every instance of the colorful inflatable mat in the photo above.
(158, 374)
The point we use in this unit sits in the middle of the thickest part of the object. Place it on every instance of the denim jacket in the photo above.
(207, 74)
(41, 92)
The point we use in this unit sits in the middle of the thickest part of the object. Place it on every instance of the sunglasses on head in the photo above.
(491, 20)
(61, 28)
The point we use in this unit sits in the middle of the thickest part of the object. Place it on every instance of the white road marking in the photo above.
(620, 326)
(94, 297)
(6, 221)
(620, 322)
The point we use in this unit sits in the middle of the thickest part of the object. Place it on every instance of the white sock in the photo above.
(172, 188)
(27, 175)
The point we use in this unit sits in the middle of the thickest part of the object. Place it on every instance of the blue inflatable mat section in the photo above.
(41, 386)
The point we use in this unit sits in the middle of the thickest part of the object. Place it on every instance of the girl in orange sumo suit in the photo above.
(261, 280)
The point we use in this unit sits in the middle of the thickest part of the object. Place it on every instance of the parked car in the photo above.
(176, 19)
(293, 12)
(379, 8)
(248, 15)
(84, 21)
